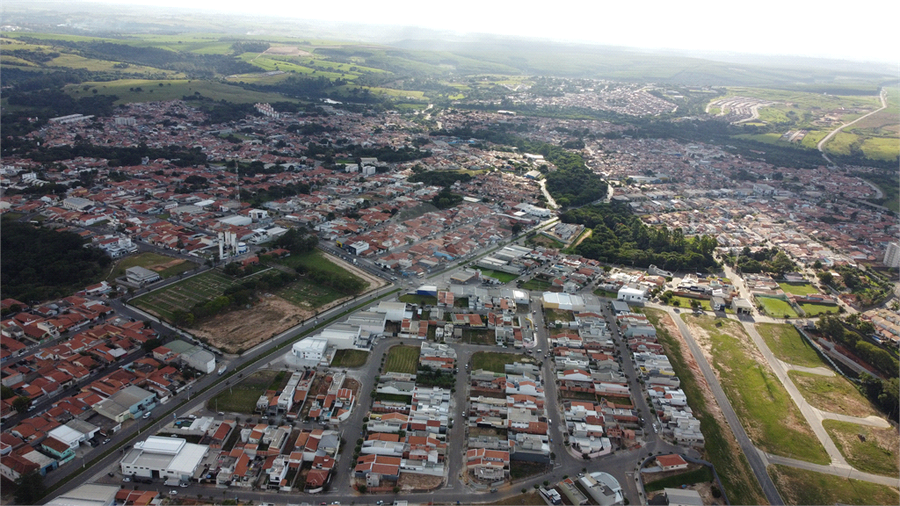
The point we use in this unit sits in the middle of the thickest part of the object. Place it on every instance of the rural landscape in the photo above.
(252, 262)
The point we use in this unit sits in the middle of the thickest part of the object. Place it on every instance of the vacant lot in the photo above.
(494, 361)
(504, 277)
(532, 497)
(186, 294)
(686, 302)
(350, 358)
(695, 473)
(798, 486)
(874, 452)
(165, 266)
(798, 288)
(768, 414)
(788, 345)
(536, 284)
(242, 397)
(402, 358)
(776, 308)
(422, 300)
(479, 336)
(832, 393)
(552, 315)
(818, 309)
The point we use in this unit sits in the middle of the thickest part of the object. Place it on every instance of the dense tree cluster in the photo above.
(296, 241)
(446, 200)
(770, 260)
(118, 156)
(621, 237)
(39, 264)
(249, 46)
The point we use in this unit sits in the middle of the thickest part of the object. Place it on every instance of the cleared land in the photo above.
(521, 500)
(874, 452)
(504, 277)
(686, 302)
(402, 358)
(422, 300)
(798, 486)
(832, 393)
(777, 308)
(768, 414)
(242, 397)
(162, 264)
(350, 358)
(536, 284)
(788, 345)
(721, 447)
(494, 361)
(552, 315)
(701, 474)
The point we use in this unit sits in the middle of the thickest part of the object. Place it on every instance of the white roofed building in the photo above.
(164, 458)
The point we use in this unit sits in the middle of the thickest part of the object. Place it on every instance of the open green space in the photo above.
(832, 393)
(798, 486)
(536, 285)
(479, 336)
(242, 397)
(811, 310)
(686, 302)
(153, 90)
(767, 412)
(868, 449)
(422, 300)
(776, 308)
(402, 358)
(187, 293)
(605, 293)
(504, 277)
(788, 345)
(563, 315)
(308, 294)
(496, 361)
(350, 359)
(798, 288)
(702, 474)
(149, 260)
(721, 448)
(521, 469)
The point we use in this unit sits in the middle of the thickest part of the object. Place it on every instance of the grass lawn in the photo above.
(686, 302)
(798, 486)
(700, 475)
(307, 294)
(422, 300)
(605, 293)
(402, 358)
(536, 284)
(798, 288)
(166, 266)
(832, 393)
(777, 308)
(877, 454)
(479, 336)
(818, 309)
(187, 293)
(788, 345)
(350, 358)
(768, 414)
(242, 397)
(740, 485)
(520, 469)
(504, 277)
(495, 361)
(552, 315)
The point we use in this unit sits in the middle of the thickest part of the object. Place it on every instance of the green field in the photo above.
(552, 315)
(402, 358)
(495, 361)
(172, 89)
(686, 302)
(504, 277)
(818, 309)
(150, 260)
(422, 300)
(798, 486)
(832, 393)
(536, 284)
(788, 345)
(776, 308)
(307, 294)
(768, 414)
(721, 449)
(798, 288)
(350, 359)
(242, 397)
(186, 294)
(877, 454)
(701, 475)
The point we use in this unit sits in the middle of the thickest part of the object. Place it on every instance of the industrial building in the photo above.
(163, 458)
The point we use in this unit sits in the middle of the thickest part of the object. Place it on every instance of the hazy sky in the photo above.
(857, 30)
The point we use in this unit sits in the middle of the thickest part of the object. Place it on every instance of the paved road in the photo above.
(821, 145)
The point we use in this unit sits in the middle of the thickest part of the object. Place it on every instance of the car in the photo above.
(183, 485)
(110, 474)
(106, 440)
(173, 492)
(379, 503)
(493, 490)
(221, 413)
(126, 480)
(580, 475)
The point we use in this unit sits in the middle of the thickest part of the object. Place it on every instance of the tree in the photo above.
(6, 392)
(29, 488)
(21, 403)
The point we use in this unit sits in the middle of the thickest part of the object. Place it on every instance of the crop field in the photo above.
(402, 358)
(186, 294)
(874, 452)
(164, 265)
(798, 288)
(832, 393)
(818, 309)
(496, 361)
(777, 308)
(155, 89)
(766, 410)
(798, 486)
(788, 345)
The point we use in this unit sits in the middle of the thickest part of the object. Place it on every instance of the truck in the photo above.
(222, 369)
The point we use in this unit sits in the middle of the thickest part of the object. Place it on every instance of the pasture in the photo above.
(151, 90)
(242, 397)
